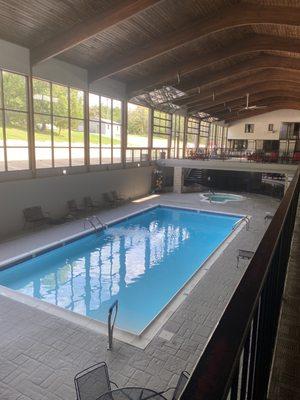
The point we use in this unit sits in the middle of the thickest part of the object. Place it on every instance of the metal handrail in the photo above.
(111, 324)
(91, 221)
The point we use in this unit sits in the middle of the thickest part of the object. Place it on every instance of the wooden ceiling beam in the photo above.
(230, 95)
(273, 107)
(89, 27)
(227, 18)
(289, 101)
(257, 63)
(241, 101)
(255, 80)
(251, 44)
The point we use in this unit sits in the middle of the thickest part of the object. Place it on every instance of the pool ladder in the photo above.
(111, 323)
(97, 226)
(246, 219)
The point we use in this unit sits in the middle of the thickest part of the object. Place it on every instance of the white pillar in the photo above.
(287, 180)
(178, 174)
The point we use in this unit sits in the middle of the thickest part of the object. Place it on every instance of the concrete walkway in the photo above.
(285, 380)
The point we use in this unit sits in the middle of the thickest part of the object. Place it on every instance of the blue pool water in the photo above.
(142, 261)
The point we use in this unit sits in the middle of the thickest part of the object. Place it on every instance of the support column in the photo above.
(178, 180)
(288, 178)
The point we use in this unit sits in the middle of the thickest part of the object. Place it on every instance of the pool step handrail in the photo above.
(240, 221)
(111, 323)
(92, 223)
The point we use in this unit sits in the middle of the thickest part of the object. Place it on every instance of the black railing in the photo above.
(237, 360)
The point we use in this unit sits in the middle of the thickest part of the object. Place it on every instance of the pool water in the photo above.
(142, 262)
(221, 197)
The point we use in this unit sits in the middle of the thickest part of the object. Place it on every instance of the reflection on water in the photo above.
(130, 261)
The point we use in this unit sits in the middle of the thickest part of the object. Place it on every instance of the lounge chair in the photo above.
(109, 200)
(92, 382)
(35, 216)
(74, 210)
(116, 197)
(90, 204)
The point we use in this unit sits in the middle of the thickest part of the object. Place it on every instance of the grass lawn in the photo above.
(20, 134)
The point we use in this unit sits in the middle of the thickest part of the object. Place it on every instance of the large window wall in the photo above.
(46, 125)
(14, 122)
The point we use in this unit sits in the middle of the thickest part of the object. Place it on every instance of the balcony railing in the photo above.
(237, 360)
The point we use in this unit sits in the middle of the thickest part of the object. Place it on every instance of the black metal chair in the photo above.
(182, 381)
(92, 382)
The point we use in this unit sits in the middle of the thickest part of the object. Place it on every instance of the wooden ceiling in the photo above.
(215, 51)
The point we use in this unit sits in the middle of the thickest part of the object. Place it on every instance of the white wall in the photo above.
(261, 122)
(52, 193)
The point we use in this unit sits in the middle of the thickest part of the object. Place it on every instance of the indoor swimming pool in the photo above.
(142, 261)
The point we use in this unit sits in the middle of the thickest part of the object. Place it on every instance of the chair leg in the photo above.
(237, 261)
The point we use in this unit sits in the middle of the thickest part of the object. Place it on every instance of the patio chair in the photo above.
(117, 197)
(92, 382)
(178, 389)
(90, 204)
(109, 200)
(244, 255)
(74, 210)
(36, 216)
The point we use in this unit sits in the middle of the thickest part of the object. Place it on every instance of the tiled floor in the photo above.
(40, 353)
(285, 381)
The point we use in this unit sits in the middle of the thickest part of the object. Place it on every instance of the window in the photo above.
(177, 136)
(105, 129)
(192, 134)
(162, 128)
(137, 125)
(14, 149)
(58, 125)
(249, 128)
(204, 133)
(271, 127)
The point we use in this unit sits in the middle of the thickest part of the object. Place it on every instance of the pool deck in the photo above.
(40, 353)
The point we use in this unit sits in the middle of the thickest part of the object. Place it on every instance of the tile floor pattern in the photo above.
(285, 381)
(40, 353)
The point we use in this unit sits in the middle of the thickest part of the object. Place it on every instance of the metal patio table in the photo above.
(131, 393)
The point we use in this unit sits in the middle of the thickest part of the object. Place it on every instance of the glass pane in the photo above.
(60, 132)
(77, 133)
(106, 109)
(94, 156)
(1, 105)
(106, 156)
(2, 162)
(116, 135)
(17, 158)
(41, 96)
(60, 100)
(161, 141)
(129, 155)
(42, 130)
(116, 156)
(77, 155)
(1, 129)
(94, 110)
(43, 157)
(117, 111)
(94, 133)
(76, 103)
(61, 157)
(106, 134)
(191, 141)
(138, 122)
(14, 87)
(16, 128)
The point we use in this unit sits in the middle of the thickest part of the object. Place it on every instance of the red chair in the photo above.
(296, 157)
